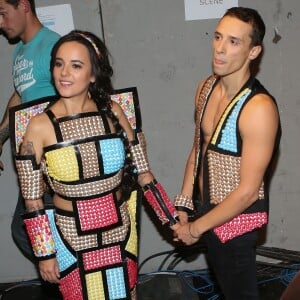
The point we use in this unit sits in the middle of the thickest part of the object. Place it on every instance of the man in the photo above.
(31, 76)
(237, 134)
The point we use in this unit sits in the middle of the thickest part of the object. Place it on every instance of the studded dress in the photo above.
(96, 243)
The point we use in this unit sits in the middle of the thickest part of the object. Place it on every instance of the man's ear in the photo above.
(26, 5)
(254, 52)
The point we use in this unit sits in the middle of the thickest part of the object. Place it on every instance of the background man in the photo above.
(31, 77)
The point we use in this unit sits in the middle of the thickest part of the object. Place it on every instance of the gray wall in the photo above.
(155, 49)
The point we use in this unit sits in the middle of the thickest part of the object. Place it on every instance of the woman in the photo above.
(87, 150)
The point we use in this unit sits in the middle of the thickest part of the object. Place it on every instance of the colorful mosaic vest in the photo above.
(222, 159)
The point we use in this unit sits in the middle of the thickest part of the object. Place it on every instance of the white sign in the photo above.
(58, 18)
(207, 9)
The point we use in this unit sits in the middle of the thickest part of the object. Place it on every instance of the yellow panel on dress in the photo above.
(132, 244)
(62, 164)
(94, 284)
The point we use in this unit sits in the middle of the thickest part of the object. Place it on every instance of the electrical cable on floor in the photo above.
(283, 271)
(287, 275)
(33, 282)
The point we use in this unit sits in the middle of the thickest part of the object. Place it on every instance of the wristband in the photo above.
(38, 229)
(160, 202)
(183, 202)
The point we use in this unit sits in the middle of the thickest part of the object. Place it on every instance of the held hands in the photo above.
(183, 231)
(49, 270)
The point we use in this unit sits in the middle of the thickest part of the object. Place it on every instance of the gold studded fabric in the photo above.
(88, 188)
(30, 178)
(119, 233)
(206, 89)
(89, 158)
(68, 229)
(183, 201)
(139, 155)
(224, 176)
(82, 128)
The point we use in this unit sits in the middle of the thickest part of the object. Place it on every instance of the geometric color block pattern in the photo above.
(115, 162)
(116, 283)
(132, 243)
(125, 100)
(69, 233)
(94, 284)
(22, 118)
(97, 213)
(101, 257)
(62, 164)
(70, 286)
(64, 257)
(119, 233)
(132, 272)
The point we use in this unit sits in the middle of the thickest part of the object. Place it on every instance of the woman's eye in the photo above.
(57, 64)
(77, 66)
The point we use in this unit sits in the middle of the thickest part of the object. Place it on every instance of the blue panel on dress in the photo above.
(113, 155)
(116, 283)
(228, 136)
(64, 257)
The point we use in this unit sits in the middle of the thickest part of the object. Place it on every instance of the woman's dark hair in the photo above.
(100, 90)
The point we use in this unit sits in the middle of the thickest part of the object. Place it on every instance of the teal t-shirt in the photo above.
(31, 66)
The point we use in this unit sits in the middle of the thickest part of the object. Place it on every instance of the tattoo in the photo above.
(27, 149)
(33, 207)
(4, 134)
(141, 179)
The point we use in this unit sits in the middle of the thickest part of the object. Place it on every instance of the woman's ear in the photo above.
(93, 79)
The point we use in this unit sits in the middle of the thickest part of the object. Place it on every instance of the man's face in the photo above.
(12, 19)
(232, 49)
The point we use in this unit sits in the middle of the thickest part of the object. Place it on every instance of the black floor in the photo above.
(273, 278)
(158, 288)
(29, 290)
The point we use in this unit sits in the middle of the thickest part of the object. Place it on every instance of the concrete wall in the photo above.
(155, 49)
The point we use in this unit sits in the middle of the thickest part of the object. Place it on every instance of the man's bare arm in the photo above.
(13, 101)
(4, 126)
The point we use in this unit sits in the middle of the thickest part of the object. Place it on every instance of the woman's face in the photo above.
(72, 71)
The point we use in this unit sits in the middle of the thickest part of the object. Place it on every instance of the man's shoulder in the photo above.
(50, 34)
(259, 89)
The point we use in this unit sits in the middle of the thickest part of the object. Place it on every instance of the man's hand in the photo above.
(182, 233)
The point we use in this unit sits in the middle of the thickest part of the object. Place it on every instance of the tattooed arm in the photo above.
(4, 133)
(27, 149)
(4, 126)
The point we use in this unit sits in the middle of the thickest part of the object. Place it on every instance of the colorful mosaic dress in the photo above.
(97, 243)
(222, 159)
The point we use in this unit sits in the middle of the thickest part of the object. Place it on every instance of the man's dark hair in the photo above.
(15, 4)
(252, 17)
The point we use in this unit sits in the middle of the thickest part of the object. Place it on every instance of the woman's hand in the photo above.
(49, 270)
(183, 217)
